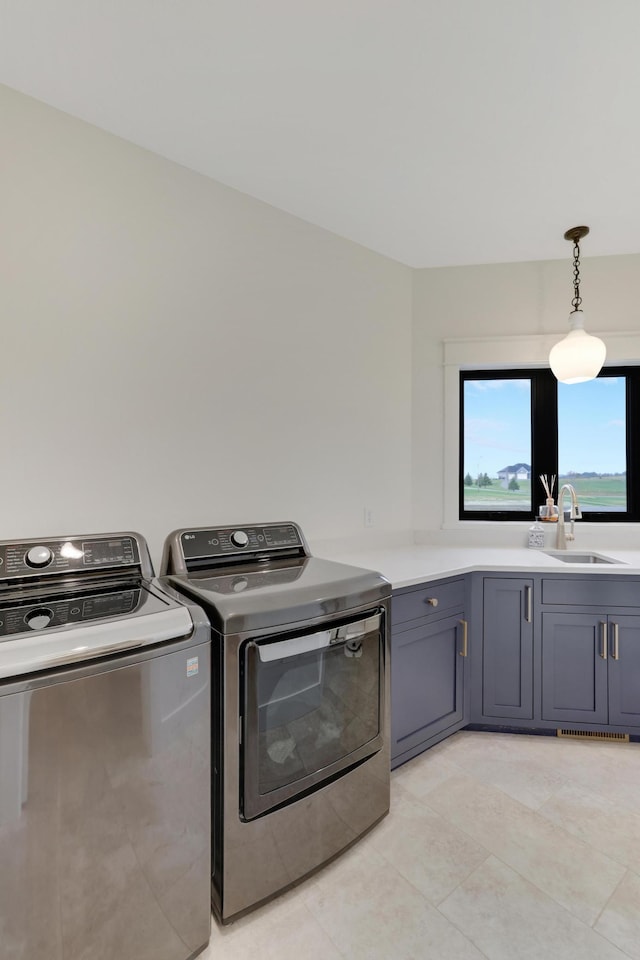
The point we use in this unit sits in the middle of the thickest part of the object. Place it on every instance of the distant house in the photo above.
(518, 471)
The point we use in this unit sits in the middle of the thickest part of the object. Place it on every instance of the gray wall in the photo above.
(177, 353)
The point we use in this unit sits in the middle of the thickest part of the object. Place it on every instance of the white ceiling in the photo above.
(437, 132)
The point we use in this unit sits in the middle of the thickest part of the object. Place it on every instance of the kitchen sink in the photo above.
(567, 556)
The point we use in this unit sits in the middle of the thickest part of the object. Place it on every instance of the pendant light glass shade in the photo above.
(579, 357)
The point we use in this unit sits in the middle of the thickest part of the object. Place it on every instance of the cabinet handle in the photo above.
(603, 640)
(527, 603)
(616, 642)
(465, 638)
(432, 601)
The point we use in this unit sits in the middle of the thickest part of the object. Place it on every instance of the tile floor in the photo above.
(497, 846)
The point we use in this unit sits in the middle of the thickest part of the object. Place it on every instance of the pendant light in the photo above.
(579, 356)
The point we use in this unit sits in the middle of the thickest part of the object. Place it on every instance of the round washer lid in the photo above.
(43, 632)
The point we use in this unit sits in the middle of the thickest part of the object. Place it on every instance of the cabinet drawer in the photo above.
(593, 593)
(425, 601)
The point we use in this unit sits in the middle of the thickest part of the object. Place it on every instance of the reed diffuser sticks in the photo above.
(548, 487)
(550, 512)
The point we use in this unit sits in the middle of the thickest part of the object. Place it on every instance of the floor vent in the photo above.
(588, 735)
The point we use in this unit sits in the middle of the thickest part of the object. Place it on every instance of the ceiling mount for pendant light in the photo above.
(579, 356)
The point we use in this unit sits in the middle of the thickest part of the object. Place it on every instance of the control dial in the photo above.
(38, 557)
(239, 538)
(39, 618)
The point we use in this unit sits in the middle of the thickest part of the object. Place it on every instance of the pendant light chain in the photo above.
(577, 299)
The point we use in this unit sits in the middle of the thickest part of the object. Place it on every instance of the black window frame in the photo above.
(544, 441)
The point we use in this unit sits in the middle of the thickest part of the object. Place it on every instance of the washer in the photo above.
(104, 755)
(300, 728)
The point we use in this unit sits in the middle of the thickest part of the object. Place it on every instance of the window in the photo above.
(592, 442)
(518, 424)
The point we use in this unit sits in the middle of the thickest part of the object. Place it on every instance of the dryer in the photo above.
(300, 725)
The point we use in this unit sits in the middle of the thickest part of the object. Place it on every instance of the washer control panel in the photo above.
(261, 539)
(29, 558)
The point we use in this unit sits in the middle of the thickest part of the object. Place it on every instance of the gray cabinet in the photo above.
(574, 668)
(624, 670)
(429, 643)
(591, 668)
(545, 651)
(507, 650)
(556, 651)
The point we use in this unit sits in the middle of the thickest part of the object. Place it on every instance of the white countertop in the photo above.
(411, 564)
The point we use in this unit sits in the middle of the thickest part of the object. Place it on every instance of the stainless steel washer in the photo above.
(300, 729)
(104, 756)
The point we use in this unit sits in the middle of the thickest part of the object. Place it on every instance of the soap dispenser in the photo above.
(536, 536)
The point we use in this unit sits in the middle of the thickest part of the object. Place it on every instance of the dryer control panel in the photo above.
(223, 541)
(207, 547)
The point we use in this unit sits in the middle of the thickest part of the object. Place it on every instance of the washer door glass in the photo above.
(313, 706)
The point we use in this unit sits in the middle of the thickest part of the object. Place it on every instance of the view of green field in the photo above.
(499, 425)
(594, 493)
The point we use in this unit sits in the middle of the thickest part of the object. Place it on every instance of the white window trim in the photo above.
(494, 353)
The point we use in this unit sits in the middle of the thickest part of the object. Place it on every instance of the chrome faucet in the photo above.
(576, 514)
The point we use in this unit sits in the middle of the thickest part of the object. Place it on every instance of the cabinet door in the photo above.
(624, 670)
(574, 668)
(507, 648)
(426, 682)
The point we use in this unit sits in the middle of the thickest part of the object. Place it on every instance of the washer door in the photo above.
(313, 708)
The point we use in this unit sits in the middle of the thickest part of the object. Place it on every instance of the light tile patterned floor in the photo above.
(505, 847)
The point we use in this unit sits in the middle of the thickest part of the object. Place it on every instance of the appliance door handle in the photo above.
(293, 647)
